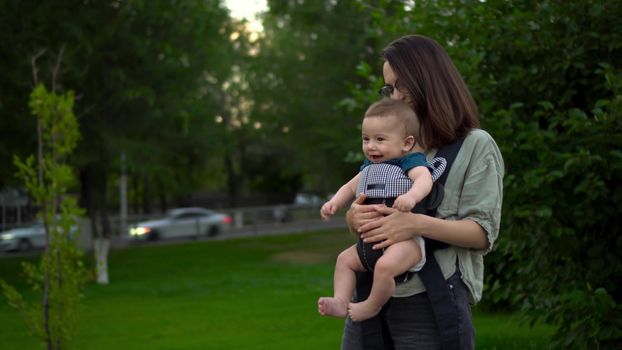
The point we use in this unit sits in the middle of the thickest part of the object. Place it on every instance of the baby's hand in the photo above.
(328, 210)
(404, 203)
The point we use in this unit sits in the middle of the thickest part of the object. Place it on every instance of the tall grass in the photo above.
(252, 293)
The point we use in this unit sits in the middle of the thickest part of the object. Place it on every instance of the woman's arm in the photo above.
(396, 226)
(479, 197)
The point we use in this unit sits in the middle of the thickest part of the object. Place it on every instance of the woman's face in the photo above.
(391, 79)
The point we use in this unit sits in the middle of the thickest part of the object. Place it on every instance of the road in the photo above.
(253, 230)
(233, 233)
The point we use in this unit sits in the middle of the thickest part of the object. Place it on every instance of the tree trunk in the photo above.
(102, 246)
(146, 196)
(232, 181)
(93, 180)
(102, 189)
(135, 199)
(162, 195)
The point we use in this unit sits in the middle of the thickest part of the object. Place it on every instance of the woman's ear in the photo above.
(409, 143)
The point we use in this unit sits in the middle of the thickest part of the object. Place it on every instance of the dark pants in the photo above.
(410, 322)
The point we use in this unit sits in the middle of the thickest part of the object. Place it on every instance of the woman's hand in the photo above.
(360, 214)
(394, 226)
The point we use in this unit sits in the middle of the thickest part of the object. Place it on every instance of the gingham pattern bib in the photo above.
(384, 180)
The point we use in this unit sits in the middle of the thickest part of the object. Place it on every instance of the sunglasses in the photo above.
(386, 90)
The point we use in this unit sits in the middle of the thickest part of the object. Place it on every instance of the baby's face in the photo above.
(383, 139)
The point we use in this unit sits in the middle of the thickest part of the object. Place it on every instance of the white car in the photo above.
(24, 238)
(182, 222)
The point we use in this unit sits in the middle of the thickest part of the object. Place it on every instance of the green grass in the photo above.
(255, 293)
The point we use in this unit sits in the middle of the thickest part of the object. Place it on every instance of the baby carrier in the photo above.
(375, 331)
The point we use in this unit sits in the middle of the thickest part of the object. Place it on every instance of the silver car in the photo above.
(25, 238)
(182, 222)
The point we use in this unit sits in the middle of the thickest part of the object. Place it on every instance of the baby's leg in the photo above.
(397, 259)
(348, 263)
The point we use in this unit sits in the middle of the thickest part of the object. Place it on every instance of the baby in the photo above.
(395, 171)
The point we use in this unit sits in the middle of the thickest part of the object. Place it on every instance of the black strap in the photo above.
(443, 305)
(449, 152)
(434, 199)
(374, 331)
(375, 334)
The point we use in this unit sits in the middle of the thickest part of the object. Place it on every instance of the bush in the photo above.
(548, 80)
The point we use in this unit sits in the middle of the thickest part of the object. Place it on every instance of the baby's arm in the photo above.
(422, 185)
(345, 194)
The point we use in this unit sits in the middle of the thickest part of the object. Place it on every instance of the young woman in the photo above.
(419, 71)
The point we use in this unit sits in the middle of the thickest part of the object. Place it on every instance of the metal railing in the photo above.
(252, 219)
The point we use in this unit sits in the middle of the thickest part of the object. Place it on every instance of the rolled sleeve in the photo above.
(482, 196)
(473, 191)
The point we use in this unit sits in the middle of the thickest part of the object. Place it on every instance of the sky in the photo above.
(245, 8)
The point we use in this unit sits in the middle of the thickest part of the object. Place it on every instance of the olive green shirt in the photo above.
(473, 191)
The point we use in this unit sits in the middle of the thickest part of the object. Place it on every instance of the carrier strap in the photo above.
(443, 305)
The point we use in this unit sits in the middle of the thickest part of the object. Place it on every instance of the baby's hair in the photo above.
(399, 109)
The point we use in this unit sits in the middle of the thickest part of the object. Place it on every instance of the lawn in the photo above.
(251, 293)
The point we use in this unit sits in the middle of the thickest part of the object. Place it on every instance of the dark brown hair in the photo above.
(399, 109)
(437, 92)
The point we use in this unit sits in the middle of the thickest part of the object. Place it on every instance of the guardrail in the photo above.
(253, 219)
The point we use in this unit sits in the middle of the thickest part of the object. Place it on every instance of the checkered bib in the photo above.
(383, 180)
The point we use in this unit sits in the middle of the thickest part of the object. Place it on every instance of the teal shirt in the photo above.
(473, 191)
(407, 162)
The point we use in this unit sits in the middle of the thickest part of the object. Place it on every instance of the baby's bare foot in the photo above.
(362, 311)
(332, 307)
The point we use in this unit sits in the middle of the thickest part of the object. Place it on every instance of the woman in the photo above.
(419, 71)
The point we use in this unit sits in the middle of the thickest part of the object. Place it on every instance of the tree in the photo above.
(295, 74)
(60, 274)
(145, 74)
(148, 81)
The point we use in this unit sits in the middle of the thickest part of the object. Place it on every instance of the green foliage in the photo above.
(60, 274)
(48, 177)
(148, 77)
(298, 79)
(560, 221)
(546, 76)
